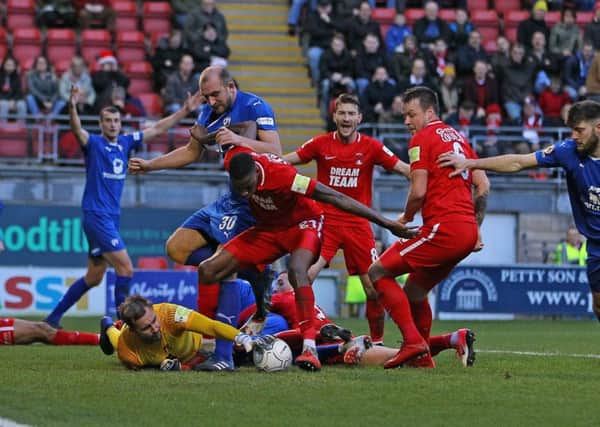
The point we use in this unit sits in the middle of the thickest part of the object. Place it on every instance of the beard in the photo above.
(150, 339)
(590, 146)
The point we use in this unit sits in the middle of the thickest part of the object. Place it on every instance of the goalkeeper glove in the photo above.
(170, 365)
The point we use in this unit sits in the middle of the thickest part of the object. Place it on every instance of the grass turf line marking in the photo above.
(541, 354)
(5, 422)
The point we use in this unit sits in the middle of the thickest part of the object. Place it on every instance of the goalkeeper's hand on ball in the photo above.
(170, 365)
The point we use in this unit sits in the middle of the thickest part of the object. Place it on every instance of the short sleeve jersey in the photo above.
(447, 199)
(583, 184)
(347, 168)
(106, 169)
(176, 340)
(246, 107)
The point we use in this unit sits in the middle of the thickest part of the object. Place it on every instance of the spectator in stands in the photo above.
(592, 81)
(481, 88)
(437, 59)
(399, 142)
(77, 75)
(516, 82)
(552, 100)
(448, 91)
(198, 17)
(181, 10)
(592, 30)
(165, 60)
(431, 27)
(296, 11)
(397, 33)
(463, 118)
(106, 77)
(575, 71)
(572, 250)
(402, 62)
(493, 121)
(532, 124)
(210, 49)
(179, 84)
(565, 36)
(337, 72)
(395, 114)
(125, 105)
(361, 25)
(320, 28)
(460, 29)
(11, 93)
(418, 77)
(42, 87)
(468, 54)
(501, 57)
(534, 23)
(54, 13)
(545, 62)
(367, 60)
(378, 95)
(96, 14)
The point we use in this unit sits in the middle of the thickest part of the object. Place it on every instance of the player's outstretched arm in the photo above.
(81, 134)
(177, 158)
(324, 194)
(507, 163)
(191, 104)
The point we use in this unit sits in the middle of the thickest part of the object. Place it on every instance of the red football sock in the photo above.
(75, 338)
(293, 338)
(305, 309)
(208, 299)
(439, 343)
(395, 302)
(421, 312)
(376, 318)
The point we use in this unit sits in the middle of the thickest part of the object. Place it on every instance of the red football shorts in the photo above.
(7, 331)
(432, 254)
(355, 239)
(262, 246)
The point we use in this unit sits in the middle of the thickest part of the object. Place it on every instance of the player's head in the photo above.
(110, 122)
(218, 87)
(421, 107)
(282, 283)
(137, 312)
(243, 174)
(347, 115)
(584, 120)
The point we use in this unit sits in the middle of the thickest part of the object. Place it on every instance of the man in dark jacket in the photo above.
(534, 23)
(431, 27)
(337, 72)
(516, 82)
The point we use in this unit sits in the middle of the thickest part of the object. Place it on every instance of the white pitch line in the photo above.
(541, 354)
(5, 422)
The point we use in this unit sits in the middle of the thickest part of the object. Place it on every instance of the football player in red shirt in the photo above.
(288, 220)
(451, 212)
(345, 162)
(18, 331)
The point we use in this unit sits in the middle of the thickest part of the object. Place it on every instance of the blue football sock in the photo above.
(199, 255)
(73, 294)
(228, 311)
(327, 351)
(121, 290)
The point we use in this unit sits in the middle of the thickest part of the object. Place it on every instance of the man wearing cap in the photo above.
(534, 23)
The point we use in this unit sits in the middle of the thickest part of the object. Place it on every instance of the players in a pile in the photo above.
(18, 331)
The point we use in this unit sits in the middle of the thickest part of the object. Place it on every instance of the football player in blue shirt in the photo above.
(579, 156)
(106, 167)
(217, 223)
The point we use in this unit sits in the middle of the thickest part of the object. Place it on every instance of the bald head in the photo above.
(215, 72)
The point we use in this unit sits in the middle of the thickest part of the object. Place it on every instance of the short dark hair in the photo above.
(133, 308)
(583, 111)
(241, 165)
(110, 109)
(347, 98)
(426, 97)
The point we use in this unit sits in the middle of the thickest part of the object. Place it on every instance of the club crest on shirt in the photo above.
(226, 121)
(548, 150)
(593, 198)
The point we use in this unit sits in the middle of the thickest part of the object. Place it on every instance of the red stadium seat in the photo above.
(503, 6)
(152, 103)
(490, 46)
(487, 18)
(127, 15)
(385, 16)
(3, 43)
(412, 15)
(93, 42)
(384, 30)
(131, 46)
(155, 39)
(27, 43)
(584, 18)
(140, 76)
(153, 262)
(156, 17)
(60, 44)
(447, 15)
(20, 14)
(511, 34)
(552, 18)
(14, 140)
(513, 18)
(473, 5)
(488, 33)
(61, 65)
(68, 147)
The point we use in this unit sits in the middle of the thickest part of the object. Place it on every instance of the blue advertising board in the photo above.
(176, 287)
(501, 292)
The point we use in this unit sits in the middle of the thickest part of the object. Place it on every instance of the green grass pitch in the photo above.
(556, 382)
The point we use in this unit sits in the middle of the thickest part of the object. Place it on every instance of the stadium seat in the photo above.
(93, 42)
(61, 65)
(68, 147)
(152, 103)
(447, 15)
(490, 46)
(127, 15)
(584, 18)
(511, 34)
(153, 262)
(486, 18)
(552, 18)
(159, 144)
(131, 46)
(20, 14)
(27, 43)
(156, 17)
(14, 140)
(60, 44)
(412, 15)
(140, 76)
(513, 18)
(385, 16)
(503, 6)
(473, 5)
(488, 33)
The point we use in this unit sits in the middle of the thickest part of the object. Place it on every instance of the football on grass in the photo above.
(274, 357)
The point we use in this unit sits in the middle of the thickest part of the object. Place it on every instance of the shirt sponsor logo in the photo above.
(344, 177)
(449, 134)
(265, 121)
(300, 184)
(414, 154)
(593, 201)
(182, 314)
(136, 136)
(265, 203)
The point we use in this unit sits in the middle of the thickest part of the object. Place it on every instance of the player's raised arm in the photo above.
(324, 194)
(81, 134)
(191, 104)
(506, 163)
